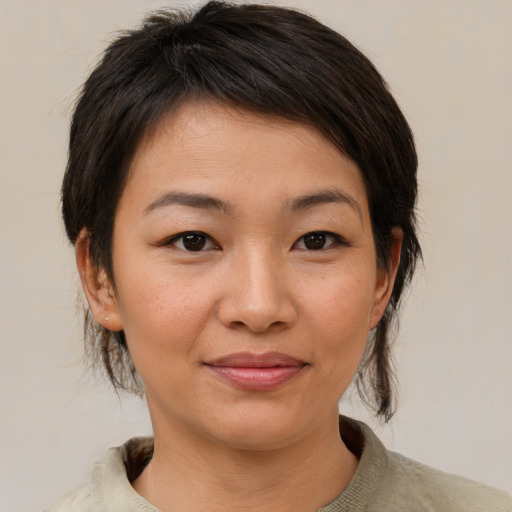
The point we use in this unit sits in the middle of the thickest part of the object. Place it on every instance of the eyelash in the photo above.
(335, 240)
(202, 239)
(180, 237)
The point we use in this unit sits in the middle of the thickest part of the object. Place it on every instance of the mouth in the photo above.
(256, 372)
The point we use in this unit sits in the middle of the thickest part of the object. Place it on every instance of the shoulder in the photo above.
(78, 500)
(415, 486)
(109, 487)
(388, 482)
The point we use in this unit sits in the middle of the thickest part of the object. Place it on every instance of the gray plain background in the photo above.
(449, 66)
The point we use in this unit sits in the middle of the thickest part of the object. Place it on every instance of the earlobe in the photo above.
(385, 278)
(97, 286)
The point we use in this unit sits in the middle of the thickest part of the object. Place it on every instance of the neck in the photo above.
(190, 473)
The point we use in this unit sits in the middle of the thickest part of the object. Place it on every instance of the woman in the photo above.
(240, 191)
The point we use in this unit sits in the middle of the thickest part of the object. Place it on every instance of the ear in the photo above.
(385, 278)
(97, 286)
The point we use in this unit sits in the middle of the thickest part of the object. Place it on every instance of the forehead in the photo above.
(221, 150)
(212, 125)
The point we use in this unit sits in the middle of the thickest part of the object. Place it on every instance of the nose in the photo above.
(257, 295)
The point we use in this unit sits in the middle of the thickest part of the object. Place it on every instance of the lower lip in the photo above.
(257, 379)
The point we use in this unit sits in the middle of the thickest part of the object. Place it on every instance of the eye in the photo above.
(192, 241)
(317, 240)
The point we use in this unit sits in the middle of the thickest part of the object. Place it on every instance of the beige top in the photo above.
(384, 482)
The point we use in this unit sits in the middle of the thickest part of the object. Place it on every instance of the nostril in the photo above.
(261, 305)
(257, 326)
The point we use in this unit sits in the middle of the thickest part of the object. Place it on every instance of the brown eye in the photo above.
(192, 241)
(314, 241)
(317, 240)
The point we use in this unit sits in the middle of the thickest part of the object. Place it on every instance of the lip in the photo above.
(256, 372)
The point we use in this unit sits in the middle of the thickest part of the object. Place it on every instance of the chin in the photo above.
(254, 438)
(259, 429)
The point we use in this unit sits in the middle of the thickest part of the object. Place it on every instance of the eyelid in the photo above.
(212, 244)
(337, 240)
(171, 241)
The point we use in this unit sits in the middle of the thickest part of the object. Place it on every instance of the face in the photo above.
(245, 275)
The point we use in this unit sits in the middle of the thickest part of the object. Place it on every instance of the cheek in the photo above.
(339, 310)
(162, 315)
(342, 300)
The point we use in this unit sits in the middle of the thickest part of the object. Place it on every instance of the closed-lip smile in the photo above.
(256, 372)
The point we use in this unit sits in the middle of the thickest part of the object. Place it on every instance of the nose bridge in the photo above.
(262, 284)
(257, 297)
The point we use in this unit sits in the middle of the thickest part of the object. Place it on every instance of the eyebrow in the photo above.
(323, 197)
(212, 203)
(185, 199)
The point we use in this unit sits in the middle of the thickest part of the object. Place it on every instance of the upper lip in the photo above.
(251, 360)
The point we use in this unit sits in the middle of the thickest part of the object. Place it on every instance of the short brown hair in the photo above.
(265, 59)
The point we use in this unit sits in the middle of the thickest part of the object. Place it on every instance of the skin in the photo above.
(255, 287)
